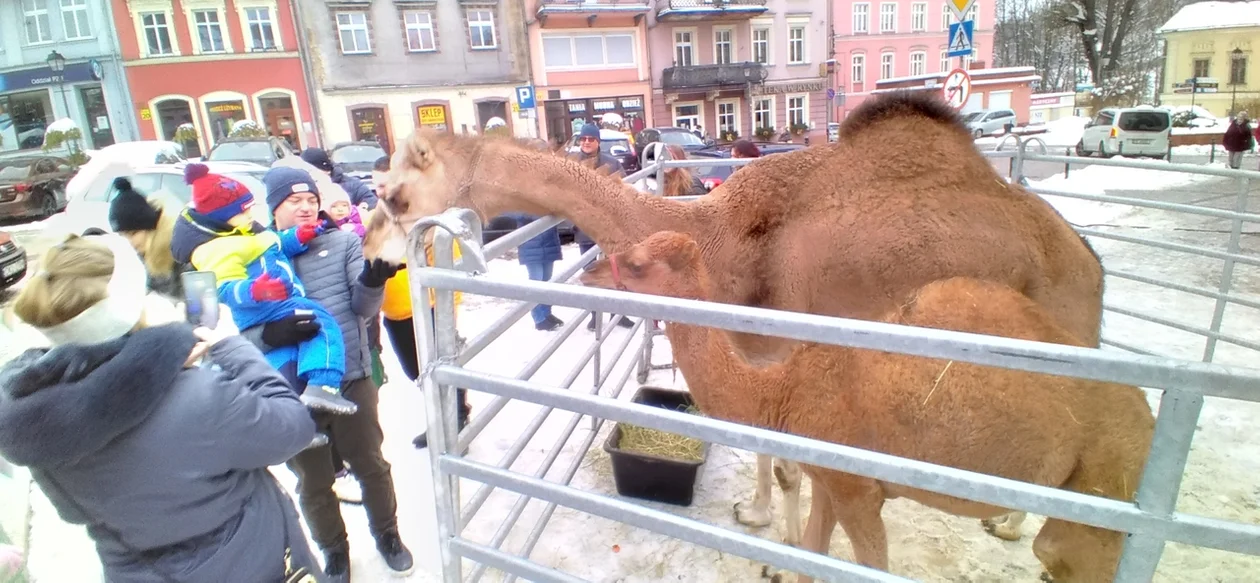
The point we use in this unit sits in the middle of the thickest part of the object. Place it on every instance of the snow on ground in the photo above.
(1062, 132)
(1099, 180)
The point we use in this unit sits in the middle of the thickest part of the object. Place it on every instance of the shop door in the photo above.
(171, 114)
(488, 110)
(558, 129)
(279, 118)
(369, 125)
(100, 134)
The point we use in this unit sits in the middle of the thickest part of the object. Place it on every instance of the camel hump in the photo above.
(983, 307)
(923, 104)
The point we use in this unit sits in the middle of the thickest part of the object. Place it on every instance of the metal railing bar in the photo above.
(642, 173)
(1183, 327)
(1090, 363)
(1152, 204)
(1207, 293)
(1001, 492)
(1130, 348)
(515, 513)
(498, 247)
(1143, 165)
(1227, 270)
(508, 562)
(1192, 250)
(757, 549)
(509, 458)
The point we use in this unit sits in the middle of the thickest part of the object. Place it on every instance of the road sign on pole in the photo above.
(960, 8)
(960, 34)
(957, 88)
(525, 96)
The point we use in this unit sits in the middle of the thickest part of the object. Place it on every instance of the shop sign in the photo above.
(577, 107)
(43, 76)
(432, 116)
(605, 104)
(1045, 101)
(226, 107)
(802, 87)
(632, 103)
(146, 114)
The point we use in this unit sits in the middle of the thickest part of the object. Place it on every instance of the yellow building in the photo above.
(1208, 58)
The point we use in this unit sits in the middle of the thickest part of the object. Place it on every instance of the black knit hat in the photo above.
(129, 211)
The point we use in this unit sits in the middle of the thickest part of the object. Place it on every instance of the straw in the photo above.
(662, 443)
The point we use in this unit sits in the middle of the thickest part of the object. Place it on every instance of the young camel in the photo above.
(1079, 435)
(841, 230)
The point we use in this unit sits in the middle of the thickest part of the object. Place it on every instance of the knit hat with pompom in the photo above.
(215, 196)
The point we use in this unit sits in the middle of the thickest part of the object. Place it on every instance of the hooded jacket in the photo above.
(166, 465)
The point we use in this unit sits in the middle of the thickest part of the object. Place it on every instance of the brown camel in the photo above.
(901, 200)
(1079, 435)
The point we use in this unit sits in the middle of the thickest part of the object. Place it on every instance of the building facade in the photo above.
(589, 60)
(1209, 58)
(742, 68)
(892, 39)
(382, 68)
(207, 64)
(37, 36)
(1003, 88)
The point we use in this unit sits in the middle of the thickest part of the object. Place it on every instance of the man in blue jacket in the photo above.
(361, 195)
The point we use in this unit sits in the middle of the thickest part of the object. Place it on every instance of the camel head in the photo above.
(665, 264)
(1076, 553)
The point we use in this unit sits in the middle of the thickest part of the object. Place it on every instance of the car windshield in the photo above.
(1144, 121)
(681, 139)
(606, 146)
(248, 151)
(17, 170)
(357, 154)
(972, 116)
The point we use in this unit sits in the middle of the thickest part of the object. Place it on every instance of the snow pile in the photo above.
(1209, 15)
(64, 124)
(1097, 180)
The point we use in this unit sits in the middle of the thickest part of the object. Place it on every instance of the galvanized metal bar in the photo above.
(1200, 291)
(1161, 482)
(447, 348)
(1227, 270)
(1190, 249)
(1159, 166)
(1210, 335)
(1210, 379)
(1129, 347)
(643, 172)
(1001, 492)
(501, 560)
(499, 247)
(1188, 209)
(757, 549)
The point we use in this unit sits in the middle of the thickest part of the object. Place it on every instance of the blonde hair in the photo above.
(158, 259)
(677, 180)
(73, 277)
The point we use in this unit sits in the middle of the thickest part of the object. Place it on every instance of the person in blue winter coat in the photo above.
(361, 195)
(539, 256)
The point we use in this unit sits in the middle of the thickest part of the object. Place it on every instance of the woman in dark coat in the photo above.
(149, 227)
(1238, 140)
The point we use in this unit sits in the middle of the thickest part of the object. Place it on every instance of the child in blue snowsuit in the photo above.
(257, 281)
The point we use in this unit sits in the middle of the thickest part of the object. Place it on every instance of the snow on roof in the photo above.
(1210, 15)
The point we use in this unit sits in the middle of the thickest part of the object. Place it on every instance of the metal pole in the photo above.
(1227, 271)
(1067, 166)
(64, 101)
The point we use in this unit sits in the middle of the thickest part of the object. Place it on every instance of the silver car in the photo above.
(990, 122)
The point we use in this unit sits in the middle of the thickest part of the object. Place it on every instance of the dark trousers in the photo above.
(358, 438)
(402, 335)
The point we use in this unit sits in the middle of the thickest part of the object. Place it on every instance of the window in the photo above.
(918, 63)
(973, 14)
(481, 30)
(262, 36)
(763, 113)
(945, 61)
(74, 18)
(859, 69)
(761, 45)
(1238, 70)
(1202, 68)
(687, 116)
(157, 33)
(684, 52)
(419, 26)
(352, 28)
(723, 46)
(35, 17)
(888, 17)
(209, 31)
(588, 51)
(861, 18)
(947, 17)
(796, 109)
(886, 65)
(727, 117)
(796, 45)
(918, 17)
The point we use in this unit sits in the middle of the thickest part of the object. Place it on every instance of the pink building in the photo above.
(889, 39)
(738, 68)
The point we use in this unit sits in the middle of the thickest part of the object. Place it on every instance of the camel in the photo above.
(842, 229)
(1085, 436)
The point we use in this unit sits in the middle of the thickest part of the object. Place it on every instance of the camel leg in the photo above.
(821, 525)
(757, 511)
(1005, 527)
(857, 503)
(788, 474)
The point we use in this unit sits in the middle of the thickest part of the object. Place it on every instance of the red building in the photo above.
(208, 63)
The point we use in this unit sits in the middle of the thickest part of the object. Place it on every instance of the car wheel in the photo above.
(1080, 149)
(1102, 151)
(48, 205)
(977, 133)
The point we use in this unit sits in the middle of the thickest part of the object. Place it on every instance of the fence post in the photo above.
(1227, 270)
(1067, 166)
(1017, 162)
(1212, 155)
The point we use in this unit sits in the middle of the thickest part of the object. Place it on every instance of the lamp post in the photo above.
(1236, 54)
(57, 62)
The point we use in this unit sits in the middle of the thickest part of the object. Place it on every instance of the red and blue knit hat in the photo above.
(215, 196)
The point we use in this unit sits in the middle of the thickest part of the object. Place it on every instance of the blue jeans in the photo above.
(540, 272)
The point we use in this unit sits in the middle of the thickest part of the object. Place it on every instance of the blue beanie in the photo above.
(317, 158)
(589, 130)
(283, 182)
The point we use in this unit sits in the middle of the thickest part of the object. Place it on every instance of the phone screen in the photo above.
(201, 298)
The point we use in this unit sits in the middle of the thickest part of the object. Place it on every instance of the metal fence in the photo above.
(1151, 521)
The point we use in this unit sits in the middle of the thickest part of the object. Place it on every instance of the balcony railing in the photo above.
(711, 4)
(700, 76)
(572, 5)
(677, 10)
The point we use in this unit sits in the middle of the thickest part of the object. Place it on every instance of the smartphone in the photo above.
(201, 298)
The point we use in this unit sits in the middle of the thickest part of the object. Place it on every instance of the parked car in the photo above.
(677, 136)
(1128, 131)
(163, 183)
(12, 261)
(712, 176)
(262, 151)
(990, 122)
(33, 186)
(110, 162)
(357, 158)
(615, 144)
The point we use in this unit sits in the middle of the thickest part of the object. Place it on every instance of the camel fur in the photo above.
(843, 229)
(1079, 435)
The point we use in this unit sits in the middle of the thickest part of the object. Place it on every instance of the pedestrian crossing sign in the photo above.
(960, 34)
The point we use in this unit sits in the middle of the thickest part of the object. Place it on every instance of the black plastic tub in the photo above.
(651, 477)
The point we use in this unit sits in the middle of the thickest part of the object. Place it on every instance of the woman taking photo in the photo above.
(164, 461)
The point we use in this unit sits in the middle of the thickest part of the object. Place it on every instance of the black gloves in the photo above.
(376, 272)
(291, 330)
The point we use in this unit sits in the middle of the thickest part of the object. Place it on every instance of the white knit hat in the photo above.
(120, 310)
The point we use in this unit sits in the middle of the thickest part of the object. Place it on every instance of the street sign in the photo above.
(960, 7)
(957, 88)
(831, 93)
(525, 96)
(960, 34)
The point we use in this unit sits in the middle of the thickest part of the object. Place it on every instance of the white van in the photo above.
(1127, 131)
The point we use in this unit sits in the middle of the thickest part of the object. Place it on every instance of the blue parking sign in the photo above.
(525, 97)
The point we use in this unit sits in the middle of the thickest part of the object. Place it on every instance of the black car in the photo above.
(677, 136)
(712, 176)
(12, 261)
(262, 151)
(357, 158)
(33, 186)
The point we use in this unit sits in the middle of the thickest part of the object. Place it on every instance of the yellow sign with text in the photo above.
(146, 114)
(432, 115)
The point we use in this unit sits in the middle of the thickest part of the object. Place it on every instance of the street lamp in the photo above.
(1233, 79)
(57, 62)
